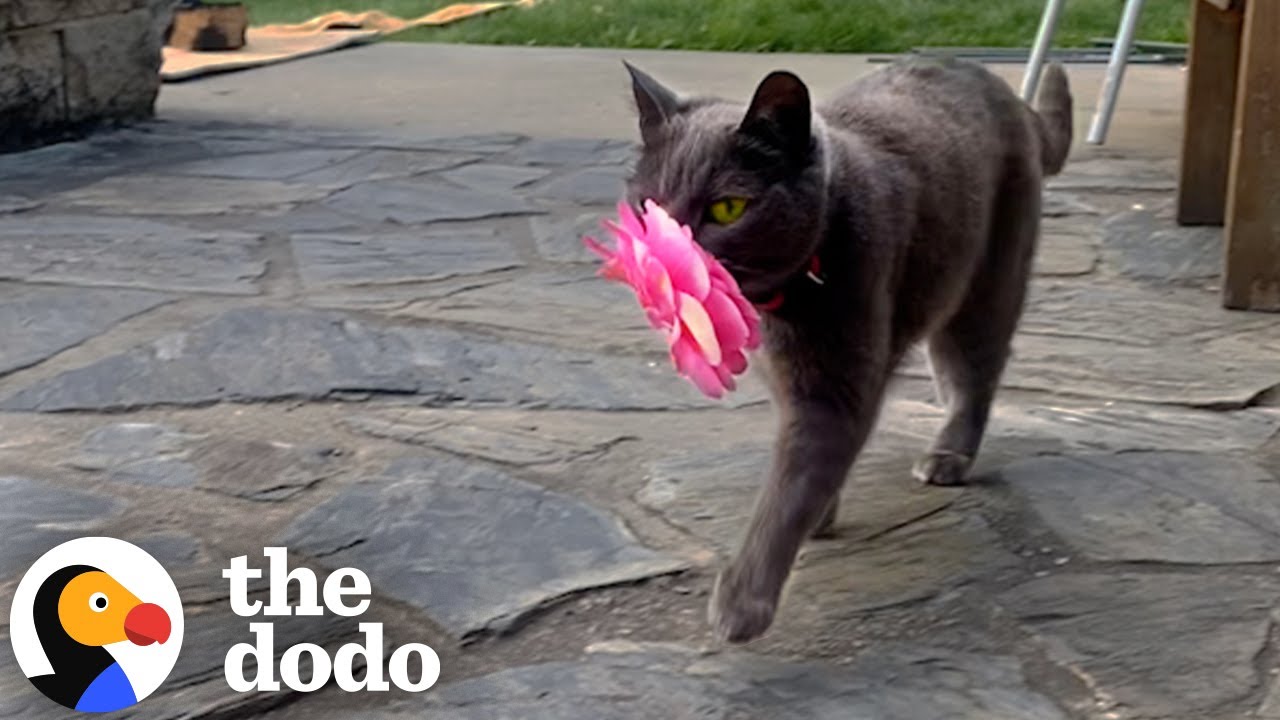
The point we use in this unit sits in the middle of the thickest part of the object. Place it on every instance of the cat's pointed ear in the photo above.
(780, 114)
(655, 103)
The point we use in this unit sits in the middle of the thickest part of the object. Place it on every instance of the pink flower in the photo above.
(685, 293)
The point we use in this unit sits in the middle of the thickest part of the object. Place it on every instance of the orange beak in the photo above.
(146, 624)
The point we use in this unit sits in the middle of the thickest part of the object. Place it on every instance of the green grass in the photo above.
(761, 25)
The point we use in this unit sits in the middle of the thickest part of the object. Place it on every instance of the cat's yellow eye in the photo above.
(727, 211)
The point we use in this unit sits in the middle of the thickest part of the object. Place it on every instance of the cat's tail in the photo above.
(1053, 119)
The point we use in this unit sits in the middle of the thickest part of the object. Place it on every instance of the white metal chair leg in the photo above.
(1115, 72)
(1039, 51)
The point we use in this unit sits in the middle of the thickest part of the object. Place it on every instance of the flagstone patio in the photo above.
(382, 347)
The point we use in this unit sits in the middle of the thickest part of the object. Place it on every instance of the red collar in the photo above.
(814, 273)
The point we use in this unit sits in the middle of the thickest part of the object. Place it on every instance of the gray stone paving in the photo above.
(1164, 645)
(125, 252)
(38, 515)
(388, 352)
(475, 548)
(623, 681)
(69, 317)
(1180, 507)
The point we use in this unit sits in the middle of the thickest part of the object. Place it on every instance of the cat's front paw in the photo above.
(943, 468)
(738, 614)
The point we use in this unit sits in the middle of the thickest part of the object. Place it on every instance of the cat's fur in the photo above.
(918, 189)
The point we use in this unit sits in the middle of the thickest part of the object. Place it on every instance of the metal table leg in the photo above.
(1044, 40)
(1115, 72)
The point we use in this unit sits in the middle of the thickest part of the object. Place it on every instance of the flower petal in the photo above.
(726, 378)
(722, 280)
(690, 363)
(656, 291)
(612, 268)
(672, 243)
(629, 222)
(731, 328)
(735, 361)
(685, 293)
(598, 248)
(695, 319)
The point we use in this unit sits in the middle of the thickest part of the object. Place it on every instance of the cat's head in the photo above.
(749, 180)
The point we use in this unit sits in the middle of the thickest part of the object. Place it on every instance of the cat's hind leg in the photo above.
(968, 353)
(826, 527)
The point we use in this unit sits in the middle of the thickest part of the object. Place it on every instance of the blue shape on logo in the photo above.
(109, 691)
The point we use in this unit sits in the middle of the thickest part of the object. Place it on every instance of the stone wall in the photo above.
(67, 66)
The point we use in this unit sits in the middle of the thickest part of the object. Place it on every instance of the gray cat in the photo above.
(904, 209)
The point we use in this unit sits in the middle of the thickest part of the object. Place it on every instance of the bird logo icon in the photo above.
(96, 624)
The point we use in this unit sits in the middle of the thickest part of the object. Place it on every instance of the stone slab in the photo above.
(165, 456)
(1062, 204)
(306, 218)
(10, 204)
(473, 547)
(1123, 426)
(922, 559)
(369, 140)
(127, 252)
(1270, 708)
(139, 453)
(1164, 506)
(140, 148)
(574, 152)
(39, 322)
(511, 438)
(280, 165)
(559, 236)
(263, 471)
(575, 307)
(1030, 428)
(709, 493)
(415, 202)
(1157, 645)
(1125, 343)
(494, 178)
(37, 515)
(396, 297)
(321, 354)
(589, 186)
(145, 194)
(1135, 316)
(1110, 175)
(1149, 245)
(630, 681)
(368, 165)
(1067, 248)
(171, 549)
(329, 260)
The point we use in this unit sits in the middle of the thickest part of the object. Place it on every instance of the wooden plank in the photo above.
(1253, 197)
(1209, 112)
(1224, 4)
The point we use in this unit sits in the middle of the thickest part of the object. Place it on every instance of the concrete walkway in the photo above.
(340, 305)
(574, 92)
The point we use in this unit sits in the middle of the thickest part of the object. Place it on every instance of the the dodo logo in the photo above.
(96, 624)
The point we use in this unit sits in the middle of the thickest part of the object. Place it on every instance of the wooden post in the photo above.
(1253, 197)
(1210, 108)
